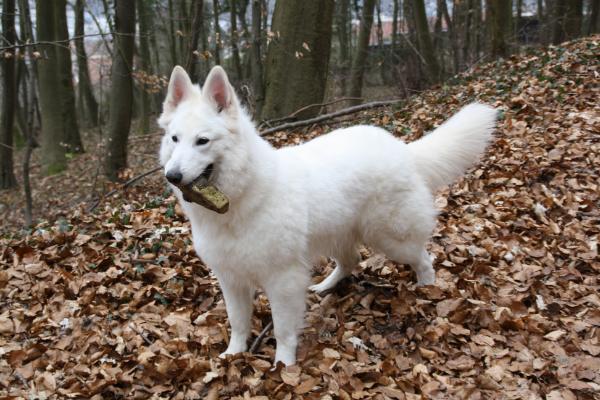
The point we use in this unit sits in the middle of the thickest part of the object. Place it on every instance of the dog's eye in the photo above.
(201, 141)
(174, 138)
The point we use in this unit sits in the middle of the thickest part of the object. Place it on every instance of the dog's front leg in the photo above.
(287, 294)
(238, 301)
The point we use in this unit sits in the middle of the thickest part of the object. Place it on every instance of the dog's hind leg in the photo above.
(344, 266)
(412, 253)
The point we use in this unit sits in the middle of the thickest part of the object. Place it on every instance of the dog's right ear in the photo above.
(180, 87)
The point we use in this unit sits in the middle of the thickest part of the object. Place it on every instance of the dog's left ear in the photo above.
(218, 91)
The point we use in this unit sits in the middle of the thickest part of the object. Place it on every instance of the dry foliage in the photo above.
(117, 305)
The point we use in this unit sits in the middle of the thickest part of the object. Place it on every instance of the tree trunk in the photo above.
(145, 64)
(86, 95)
(362, 49)
(298, 59)
(568, 15)
(7, 175)
(172, 37)
(257, 62)
(395, 12)
(217, 35)
(425, 43)
(451, 33)
(594, 25)
(183, 30)
(468, 33)
(53, 124)
(197, 30)
(121, 96)
(237, 64)
(72, 139)
(344, 39)
(499, 15)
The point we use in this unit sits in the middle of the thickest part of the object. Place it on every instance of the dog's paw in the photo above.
(426, 279)
(320, 288)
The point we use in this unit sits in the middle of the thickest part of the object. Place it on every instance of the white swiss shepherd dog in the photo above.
(291, 206)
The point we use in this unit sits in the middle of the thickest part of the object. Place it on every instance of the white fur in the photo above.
(288, 207)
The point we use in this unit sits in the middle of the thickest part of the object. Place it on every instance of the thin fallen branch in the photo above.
(141, 333)
(335, 114)
(260, 337)
(123, 186)
(292, 115)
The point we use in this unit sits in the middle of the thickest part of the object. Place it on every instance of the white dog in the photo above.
(288, 207)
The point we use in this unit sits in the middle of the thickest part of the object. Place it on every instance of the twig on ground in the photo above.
(335, 114)
(141, 333)
(260, 337)
(123, 186)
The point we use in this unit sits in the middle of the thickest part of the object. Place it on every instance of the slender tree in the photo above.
(72, 138)
(256, 56)
(298, 59)
(121, 96)
(343, 33)
(145, 64)
(217, 37)
(234, 36)
(172, 37)
(87, 101)
(362, 48)
(499, 17)
(197, 31)
(7, 175)
(425, 42)
(594, 22)
(452, 33)
(568, 17)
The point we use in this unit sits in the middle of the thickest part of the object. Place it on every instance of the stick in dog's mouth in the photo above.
(201, 192)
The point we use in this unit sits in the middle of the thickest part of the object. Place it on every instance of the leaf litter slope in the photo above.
(117, 304)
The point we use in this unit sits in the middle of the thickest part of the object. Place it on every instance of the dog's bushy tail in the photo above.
(445, 154)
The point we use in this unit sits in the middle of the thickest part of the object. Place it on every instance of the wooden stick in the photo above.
(335, 114)
(123, 186)
(292, 115)
(260, 337)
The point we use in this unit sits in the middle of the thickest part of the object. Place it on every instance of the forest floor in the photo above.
(114, 303)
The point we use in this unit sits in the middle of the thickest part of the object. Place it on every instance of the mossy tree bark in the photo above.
(89, 105)
(298, 58)
(53, 124)
(362, 48)
(121, 95)
(7, 175)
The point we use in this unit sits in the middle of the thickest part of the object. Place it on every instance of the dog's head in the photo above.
(201, 126)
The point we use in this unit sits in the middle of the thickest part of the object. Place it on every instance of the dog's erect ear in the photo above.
(180, 87)
(217, 89)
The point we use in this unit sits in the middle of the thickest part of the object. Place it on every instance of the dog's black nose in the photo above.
(174, 177)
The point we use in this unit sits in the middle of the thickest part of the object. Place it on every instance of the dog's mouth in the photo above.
(204, 178)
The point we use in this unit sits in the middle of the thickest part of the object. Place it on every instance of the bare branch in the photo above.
(339, 113)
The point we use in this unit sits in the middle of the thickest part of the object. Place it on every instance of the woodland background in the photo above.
(86, 75)
(103, 296)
